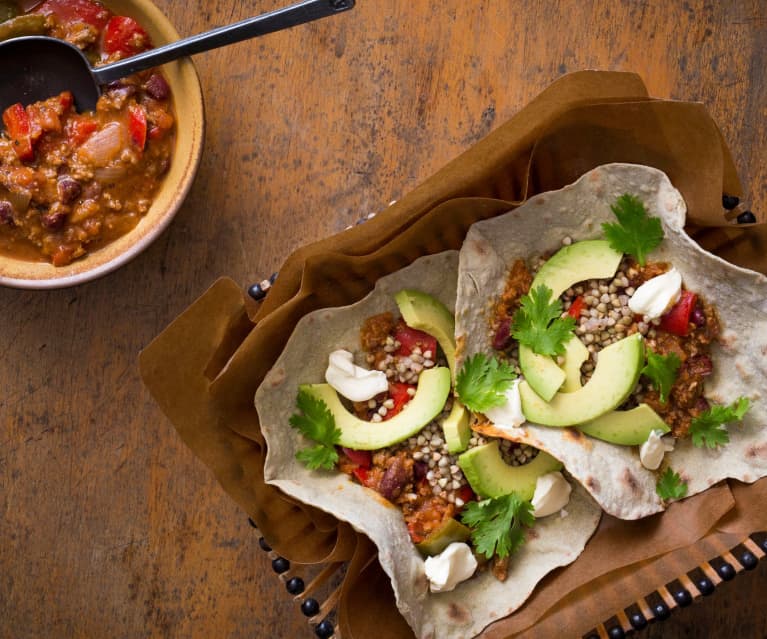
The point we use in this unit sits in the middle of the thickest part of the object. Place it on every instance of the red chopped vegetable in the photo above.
(363, 458)
(70, 11)
(19, 129)
(361, 474)
(125, 36)
(409, 338)
(466, 494)
(398, 392)
(677, 320)
(576, 307)
(79, 128)
(137, 125)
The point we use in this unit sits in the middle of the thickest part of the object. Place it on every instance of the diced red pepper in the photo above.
(466, 494)
(409, 338)
(398, 392)
(16, 120)
(79, 128)
(677, 320)
(576, 307)
(125, 36)
(361, 474)
(363, 458)
(137, 125)
(70, 11)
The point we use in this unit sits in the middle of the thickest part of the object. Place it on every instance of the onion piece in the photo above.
(19, 201)
(105, 145)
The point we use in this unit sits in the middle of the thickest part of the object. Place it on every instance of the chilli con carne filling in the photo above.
(73, 182)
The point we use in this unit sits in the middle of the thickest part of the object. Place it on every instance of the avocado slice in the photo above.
(615, 376)
(575, 354)
(456, 428)
(358, 434)
(625, 427)
(541, 372)
(490, 476)
(450, 531)
(586, 260)
(426, 313)
(590, 259)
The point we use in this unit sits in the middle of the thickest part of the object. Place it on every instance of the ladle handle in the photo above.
(295, 14)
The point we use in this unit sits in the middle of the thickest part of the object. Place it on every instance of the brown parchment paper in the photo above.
(203, 370)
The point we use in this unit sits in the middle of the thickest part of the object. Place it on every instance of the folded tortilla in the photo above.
(613, 474)
(554, 541)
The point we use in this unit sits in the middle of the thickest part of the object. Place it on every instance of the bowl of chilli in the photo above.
(82, 193)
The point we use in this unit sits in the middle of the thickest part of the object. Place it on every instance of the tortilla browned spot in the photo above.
(459, 614)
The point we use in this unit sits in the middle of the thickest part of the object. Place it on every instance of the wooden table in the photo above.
(110, 527)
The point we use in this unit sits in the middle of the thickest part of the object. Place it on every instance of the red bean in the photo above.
(6, 213)
(53, 221)
(69, 189)
(502, 335)
(157, 87)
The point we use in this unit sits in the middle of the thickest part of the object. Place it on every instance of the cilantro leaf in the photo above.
(662, 371)
(317, 423)
(497, 524)
(482, 382)
(636, 232)
(671, 486)
(539, 325)
(707, 429)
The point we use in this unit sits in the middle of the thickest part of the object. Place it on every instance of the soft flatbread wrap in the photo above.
(612, 473)
(554, 541)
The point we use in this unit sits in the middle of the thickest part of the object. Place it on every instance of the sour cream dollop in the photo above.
(652, 451)
(657, 295)
(508, 415)
(552, 493)
(449, 568)
(353, 382)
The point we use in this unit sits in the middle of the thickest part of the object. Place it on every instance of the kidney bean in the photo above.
(6, 213)
(69, 189)
(157, 87)
(700, 365)
(394, 479)
(420, 469)
(702, 404)
(53, 221)
(697, 316)
(502, 335)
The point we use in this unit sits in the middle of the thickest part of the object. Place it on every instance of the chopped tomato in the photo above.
(69, 11)
(79, 128)
(125, 36)
(16, 120)
(363, 458)
(409, 338)
(137, 125)
(361, 474)
(398, 392)
(466, 494)
(677, 320)
(576, 307)
(417, 534)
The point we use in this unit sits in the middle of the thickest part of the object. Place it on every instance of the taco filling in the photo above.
(393, 426)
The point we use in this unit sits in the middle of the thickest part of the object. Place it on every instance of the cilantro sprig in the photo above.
(671, 486)
(483, 381)
(497, 524)
(662, 370)
(636, 233)
(539, 325)
(318, 424)
(708, 428)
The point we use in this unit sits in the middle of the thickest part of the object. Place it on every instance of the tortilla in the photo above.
(554, 541)
(612, 473)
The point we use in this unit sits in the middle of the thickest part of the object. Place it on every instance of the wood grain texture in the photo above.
(110, 527)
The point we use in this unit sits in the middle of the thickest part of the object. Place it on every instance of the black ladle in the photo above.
(37, 67)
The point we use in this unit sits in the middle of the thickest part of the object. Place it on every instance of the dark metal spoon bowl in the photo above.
(37, 67)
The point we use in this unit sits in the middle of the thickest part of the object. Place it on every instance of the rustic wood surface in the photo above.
(110, 527)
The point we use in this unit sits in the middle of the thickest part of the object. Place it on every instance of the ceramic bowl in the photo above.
(189, 112)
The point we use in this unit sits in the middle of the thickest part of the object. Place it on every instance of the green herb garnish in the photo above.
(483, 381)
(497, 524)
(671, 486)
(318, 424)
(538, 323)
(662, 371)
(707, 429)
(636, 232)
